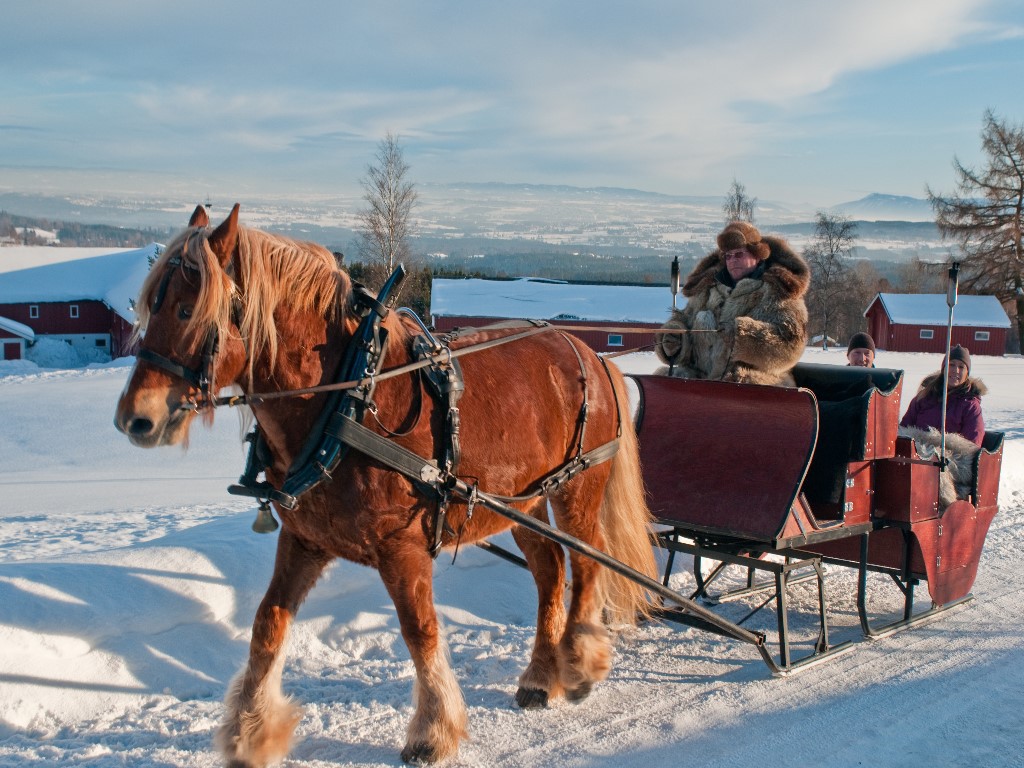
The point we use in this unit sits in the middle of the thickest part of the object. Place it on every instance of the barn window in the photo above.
(101, 342)
(981, 335)
(74, 310)
(927, 333)
(33, 311)
(614, 339)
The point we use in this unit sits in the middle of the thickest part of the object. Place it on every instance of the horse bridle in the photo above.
(202, 377)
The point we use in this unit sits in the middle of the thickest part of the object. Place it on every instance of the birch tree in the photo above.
(385, 224)
(831, 279)
(738, 205)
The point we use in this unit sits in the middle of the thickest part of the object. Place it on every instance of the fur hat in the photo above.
(743, 234)
(962, 354)
(860, 341)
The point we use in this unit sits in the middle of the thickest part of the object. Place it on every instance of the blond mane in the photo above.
(273, 271)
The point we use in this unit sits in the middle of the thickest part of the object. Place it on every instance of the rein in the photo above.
(433, 358)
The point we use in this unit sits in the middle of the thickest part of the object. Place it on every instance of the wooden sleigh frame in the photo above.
(783, 481)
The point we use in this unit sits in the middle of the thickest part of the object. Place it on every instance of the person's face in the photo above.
(861, 356)
(739, 262)
(957, 373)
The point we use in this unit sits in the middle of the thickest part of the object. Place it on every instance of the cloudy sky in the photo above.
(800, 100)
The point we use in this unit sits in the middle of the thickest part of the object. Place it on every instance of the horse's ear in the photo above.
(199, 218)
(225, 237)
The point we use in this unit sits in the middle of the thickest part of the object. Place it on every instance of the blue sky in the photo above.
(800, 100)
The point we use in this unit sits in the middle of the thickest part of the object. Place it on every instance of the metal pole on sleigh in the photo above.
(951, 296)
(675, 280)
(674, 286)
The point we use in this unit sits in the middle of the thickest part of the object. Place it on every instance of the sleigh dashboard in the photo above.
(701, 474)
(774, 464)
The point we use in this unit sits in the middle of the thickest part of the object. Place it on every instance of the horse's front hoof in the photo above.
(531, 698)
(419, 754)
(578, 694)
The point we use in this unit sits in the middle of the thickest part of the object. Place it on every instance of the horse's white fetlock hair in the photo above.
(440, 718)
(257, 730)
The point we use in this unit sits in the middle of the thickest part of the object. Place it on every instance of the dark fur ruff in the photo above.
(759, 326)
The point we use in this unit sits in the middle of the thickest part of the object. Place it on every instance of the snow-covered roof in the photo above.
(931, 309)
(549, 300)
(18, 329)
(113, 278)
(15, 257)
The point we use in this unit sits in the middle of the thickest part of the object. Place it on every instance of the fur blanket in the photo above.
(958, 481)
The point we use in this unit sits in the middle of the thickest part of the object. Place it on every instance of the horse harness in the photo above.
(339, 426)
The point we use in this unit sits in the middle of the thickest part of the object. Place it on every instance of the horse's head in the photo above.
(190, 343)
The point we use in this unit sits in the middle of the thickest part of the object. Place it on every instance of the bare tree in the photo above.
(831, 279)
(918, 276)
(985, 217)
(737, 206)
(385, 225)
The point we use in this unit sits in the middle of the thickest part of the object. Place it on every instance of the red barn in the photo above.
(13, 338)
(617, 310)
(905, 322)
(85, 302)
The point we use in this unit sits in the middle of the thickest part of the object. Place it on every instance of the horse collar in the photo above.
(324, 450)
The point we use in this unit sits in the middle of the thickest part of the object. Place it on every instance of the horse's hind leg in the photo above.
(439, 723)
(540, 680)
(258, 725)
(585, 650)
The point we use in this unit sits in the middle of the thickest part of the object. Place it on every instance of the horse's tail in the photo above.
(626, 523)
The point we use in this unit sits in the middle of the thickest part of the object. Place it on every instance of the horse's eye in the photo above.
(184, 312)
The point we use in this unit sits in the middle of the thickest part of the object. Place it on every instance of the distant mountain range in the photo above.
(879, 207)
(873, 207)
(705, 208)
(506, 189)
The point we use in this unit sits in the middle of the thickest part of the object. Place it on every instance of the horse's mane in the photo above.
(274, 271)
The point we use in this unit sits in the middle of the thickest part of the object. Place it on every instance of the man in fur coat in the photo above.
(745, 305)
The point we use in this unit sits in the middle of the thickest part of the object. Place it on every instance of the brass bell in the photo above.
(264, 522)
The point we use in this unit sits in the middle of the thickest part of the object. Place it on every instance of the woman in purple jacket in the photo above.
(963, 400)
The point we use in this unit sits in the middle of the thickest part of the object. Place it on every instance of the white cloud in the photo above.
(656, 94)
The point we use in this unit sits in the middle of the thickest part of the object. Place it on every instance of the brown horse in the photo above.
(280, 315)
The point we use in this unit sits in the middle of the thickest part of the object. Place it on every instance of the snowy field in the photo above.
(129, 578)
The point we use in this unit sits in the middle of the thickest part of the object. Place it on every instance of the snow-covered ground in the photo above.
(128, 580)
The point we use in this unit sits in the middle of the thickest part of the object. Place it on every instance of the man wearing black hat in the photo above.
(861, 351)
